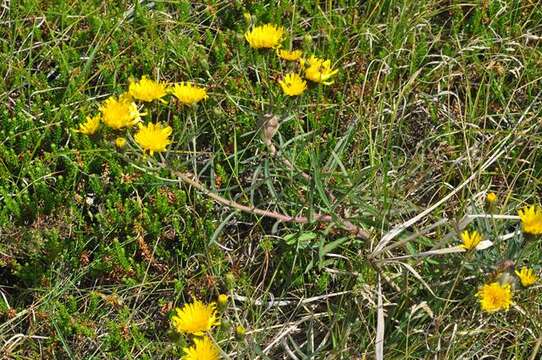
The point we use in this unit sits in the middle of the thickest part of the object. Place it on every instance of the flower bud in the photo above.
(247, 17)
(240, 331)
(120, 142)
(230, 280)
(491, 198)
(222, 300)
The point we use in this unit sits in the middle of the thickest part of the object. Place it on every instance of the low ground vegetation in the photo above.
(288, 180)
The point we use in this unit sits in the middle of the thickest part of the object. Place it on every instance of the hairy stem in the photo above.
(189, 179)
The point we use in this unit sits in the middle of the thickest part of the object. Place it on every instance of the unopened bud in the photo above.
(491, 197)
(240, 331)
(222, 300)
(120, 142)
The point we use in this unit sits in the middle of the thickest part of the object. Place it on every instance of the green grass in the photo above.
(436, 104)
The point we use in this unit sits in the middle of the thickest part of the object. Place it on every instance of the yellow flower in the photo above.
(188, 94)
(293, 84)
(293, 55)
(203, 349)
(195, 318)
(531, 220)
(526, 276)
(120, 142)
(222, 299)
(120, 113)
(319, 70)
(265, 36)
(491, 197)
(147, 89)
(90, 126)
(153, 137)
(470, 239)
(494, 297)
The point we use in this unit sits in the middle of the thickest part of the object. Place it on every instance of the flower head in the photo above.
(120, 142)
(188, 94)
(147, 89)
(470, 239)
(265, 36)
(319, 70)
(293, 84)
(287, 55)
(491, 197)
(526, 276)
(90, 126)
(120, 112)
(195, 318)
(153, 137)
(203, 349)
(494, 297)
(531, 220)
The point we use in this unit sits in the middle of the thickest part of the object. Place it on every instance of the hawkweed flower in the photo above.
(526, 276)
(293, 55)
(265, 36)
(491, 198)
(195, 318)
(147, 89)
(153, 137)
(293, 84)
(120, 112)
(319, 70)
(470, 239)
(188, 94)
(120, 142)
(494, 297)
(531, 220)
(90, 126)
(203, 349)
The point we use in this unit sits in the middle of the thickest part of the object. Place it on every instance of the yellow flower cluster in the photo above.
(497, 296)
(122, 112)
(198, 319)
(292, 84)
